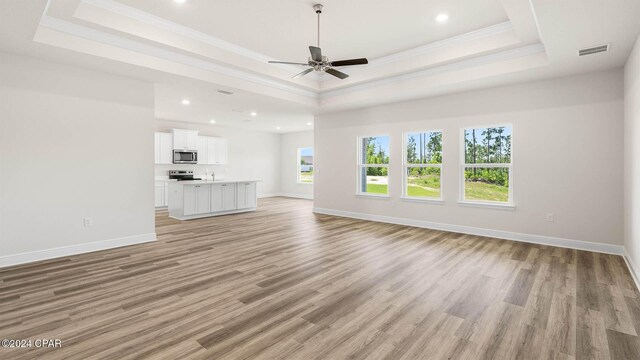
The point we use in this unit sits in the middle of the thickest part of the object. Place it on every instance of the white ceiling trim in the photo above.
(121, 42)
(460, 65)
(453, 41)
(185, 31)
(96, 35)
(139, 15)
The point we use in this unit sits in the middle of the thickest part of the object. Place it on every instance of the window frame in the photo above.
(298, 165)
(361, 166)
(510, 204)
(406, 165)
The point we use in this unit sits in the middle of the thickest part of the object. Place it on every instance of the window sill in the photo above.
(487, 205)
(375, 196)
(304, 183)
(422, 200)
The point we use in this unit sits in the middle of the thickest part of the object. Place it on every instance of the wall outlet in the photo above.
(88, 222)
(550, 217)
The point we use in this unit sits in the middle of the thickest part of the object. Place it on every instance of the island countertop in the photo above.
(205, 182)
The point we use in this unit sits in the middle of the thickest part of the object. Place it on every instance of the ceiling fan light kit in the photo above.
(321, 63)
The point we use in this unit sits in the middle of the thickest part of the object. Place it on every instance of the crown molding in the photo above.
(145, 17)
(459, 65)
(173, 56)
(142, 16)
(183, 58)
(431, 47)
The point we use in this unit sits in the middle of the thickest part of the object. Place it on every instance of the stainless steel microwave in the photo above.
(185, 157)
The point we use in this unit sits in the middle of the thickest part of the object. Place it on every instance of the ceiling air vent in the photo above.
(593, 50)
(225, 92)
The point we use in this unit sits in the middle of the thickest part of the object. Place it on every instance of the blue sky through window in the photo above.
(383, 143)
(306, 152)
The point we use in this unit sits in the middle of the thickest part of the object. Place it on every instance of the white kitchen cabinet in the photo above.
(161, 194)
(220, 146)
(246, 195)
(228, 196)
(203, 150)
(212, 150)
(223, 197)
(185, 139)
(197, 199)
(204, 199)
(163, 148)
(216, 198)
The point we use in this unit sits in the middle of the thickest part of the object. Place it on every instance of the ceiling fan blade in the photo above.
(286, 62)
(361, 61)
(302, 73)
(316, 53)
(336, 73)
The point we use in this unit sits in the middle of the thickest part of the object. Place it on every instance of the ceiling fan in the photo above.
(318, 62)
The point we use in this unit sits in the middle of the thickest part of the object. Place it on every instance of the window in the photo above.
(305, 166)
(373, 164)
(423, 165)
(487, 165)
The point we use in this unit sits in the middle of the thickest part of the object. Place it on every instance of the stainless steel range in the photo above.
(182, 175)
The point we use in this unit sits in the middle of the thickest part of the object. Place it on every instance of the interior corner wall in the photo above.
(289, 184)
(632, 158)
(74, 144)
(567, 159)
(250, 155)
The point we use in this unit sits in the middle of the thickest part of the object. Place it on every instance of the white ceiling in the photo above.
(194, 49)
(207, 104)
(284, 29)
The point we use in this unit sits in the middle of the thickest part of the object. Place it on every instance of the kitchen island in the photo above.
(199, 198)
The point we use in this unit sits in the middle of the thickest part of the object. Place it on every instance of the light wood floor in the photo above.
(283, 283)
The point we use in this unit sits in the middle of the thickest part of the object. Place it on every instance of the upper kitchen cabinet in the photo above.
(203, 152)
(212, 150)
(185, 139)
(220, 146)
(163, 148)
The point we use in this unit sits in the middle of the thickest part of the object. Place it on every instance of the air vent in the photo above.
(225, 92)
(593, 50)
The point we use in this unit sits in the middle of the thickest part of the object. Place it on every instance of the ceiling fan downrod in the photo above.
(318, 9)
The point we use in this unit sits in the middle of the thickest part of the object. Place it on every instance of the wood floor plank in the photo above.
(284, 283)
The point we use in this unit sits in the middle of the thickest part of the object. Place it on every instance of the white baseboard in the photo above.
(47, 254)
(290, 195)
(633, 268)
(297, 196)
(506, 235)
(260, 196)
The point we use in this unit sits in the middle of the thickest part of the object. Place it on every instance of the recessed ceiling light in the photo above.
(253, 113)
(309, 123)
(212, 121)
(277, 127)
(179, 1)
(186, 102)
(442, 18)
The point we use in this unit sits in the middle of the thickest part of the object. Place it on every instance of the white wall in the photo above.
(632, 157)
(251, 154)
(567, 151)
(74, 143)
(289, 185)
